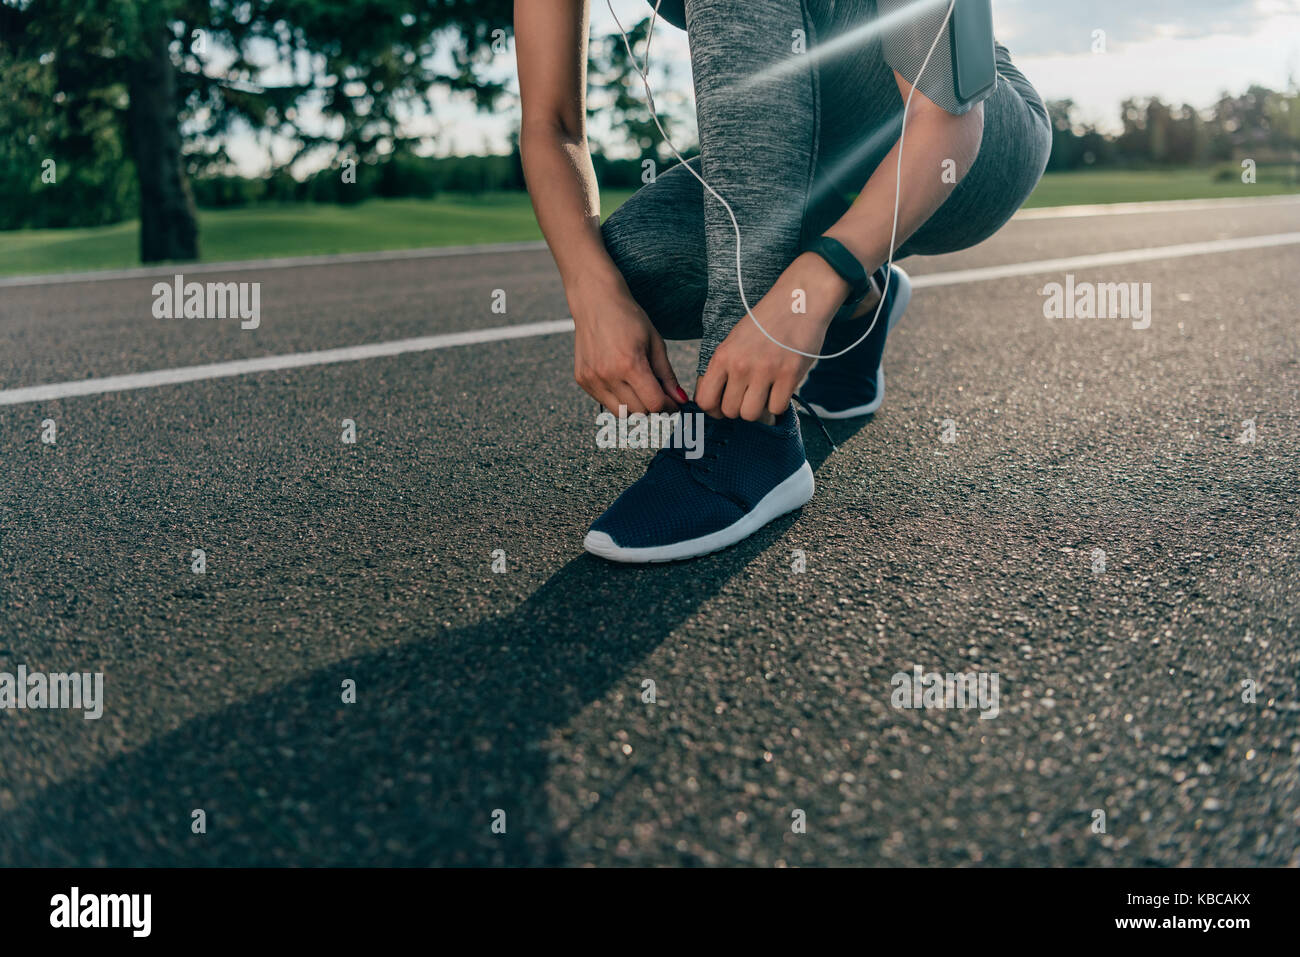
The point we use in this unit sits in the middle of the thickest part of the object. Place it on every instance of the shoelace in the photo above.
(816, 418)
(714, 441)
(711, 439)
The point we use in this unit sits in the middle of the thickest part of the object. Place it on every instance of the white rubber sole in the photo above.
(902, 296)
(794, 492)
(857, 410)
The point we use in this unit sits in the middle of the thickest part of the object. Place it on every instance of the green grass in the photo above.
(455, 220)
(1145, 186)
(291, 230)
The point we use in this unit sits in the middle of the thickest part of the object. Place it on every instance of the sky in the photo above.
(1184, 51)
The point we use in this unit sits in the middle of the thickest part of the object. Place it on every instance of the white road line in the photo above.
(440, 252)
(297, 360)
(1160, 206)
(1120, 257)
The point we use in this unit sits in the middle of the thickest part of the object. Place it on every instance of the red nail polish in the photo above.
(681, 395)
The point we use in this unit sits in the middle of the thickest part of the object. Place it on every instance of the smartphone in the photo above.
(971, 30)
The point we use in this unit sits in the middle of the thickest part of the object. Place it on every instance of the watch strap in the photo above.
(845, 264)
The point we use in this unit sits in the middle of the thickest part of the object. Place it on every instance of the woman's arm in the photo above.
(752, 378)
(932, 138)
(551, 47)
(619, 358)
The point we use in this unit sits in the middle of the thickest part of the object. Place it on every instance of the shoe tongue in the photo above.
(710, 423)
(684, 432)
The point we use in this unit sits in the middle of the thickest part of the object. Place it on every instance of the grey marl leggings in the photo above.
(786, 151)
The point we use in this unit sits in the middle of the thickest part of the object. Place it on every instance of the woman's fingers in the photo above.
(663, 369)
(754, 405)
(778, 399)
(647, 391)
(708, 391)
(732, 398)
(608, 400)
(734, 388)
(631, 385)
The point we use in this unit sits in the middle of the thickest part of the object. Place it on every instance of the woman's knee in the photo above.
(621, 233)
(660, 253)
(1009, 165)
(645, 246)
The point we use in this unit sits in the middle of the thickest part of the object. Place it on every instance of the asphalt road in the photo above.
(1121, 690)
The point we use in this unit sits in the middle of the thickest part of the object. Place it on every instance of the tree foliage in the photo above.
(344, 76)
(1260, 124)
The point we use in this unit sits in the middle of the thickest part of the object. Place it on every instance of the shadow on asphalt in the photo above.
(840, 430)
(447, 729)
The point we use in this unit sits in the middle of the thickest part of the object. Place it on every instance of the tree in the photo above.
(616, 94)
(63, 159)
(177, 75)
(1074, 143)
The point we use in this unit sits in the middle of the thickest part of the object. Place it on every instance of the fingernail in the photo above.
(681, 395)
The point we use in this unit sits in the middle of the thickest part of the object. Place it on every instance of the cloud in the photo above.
(1043, 27)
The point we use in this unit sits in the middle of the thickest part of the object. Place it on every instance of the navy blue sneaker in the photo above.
(746, 475)
(854, 384)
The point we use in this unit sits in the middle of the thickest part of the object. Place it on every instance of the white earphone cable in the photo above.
(644, 71)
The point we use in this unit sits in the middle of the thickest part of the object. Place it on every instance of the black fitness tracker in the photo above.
(846, 266)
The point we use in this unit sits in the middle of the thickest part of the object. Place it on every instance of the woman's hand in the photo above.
(619, 358)
(751, 377)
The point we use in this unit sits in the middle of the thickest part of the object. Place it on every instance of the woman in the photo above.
(786, 134)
